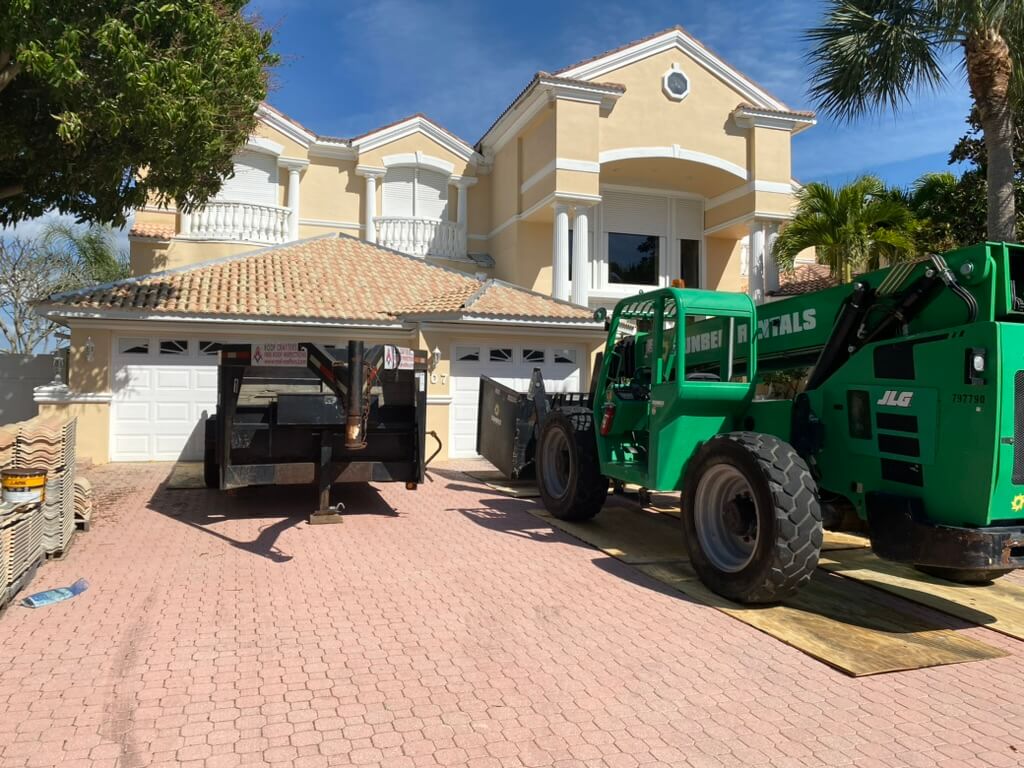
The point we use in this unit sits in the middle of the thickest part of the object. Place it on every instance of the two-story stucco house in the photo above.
(648, 163)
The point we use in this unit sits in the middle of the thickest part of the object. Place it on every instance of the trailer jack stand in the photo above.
(329, 516)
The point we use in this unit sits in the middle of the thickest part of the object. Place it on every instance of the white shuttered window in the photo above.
(255, 180)
(415, 193)
(635, 214)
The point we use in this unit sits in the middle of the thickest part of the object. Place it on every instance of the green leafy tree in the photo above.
(950, 211)
(107, 105)
(870, 55)
(853, 228)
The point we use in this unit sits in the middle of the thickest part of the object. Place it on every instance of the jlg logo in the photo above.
(897, 399)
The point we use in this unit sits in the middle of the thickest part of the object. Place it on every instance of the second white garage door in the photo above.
(511, 365)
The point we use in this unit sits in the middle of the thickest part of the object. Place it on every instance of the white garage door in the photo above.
(511, 365)
(162, 387)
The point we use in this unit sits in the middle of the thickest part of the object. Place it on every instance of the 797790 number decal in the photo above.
(968, 398)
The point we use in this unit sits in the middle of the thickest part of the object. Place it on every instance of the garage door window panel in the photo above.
(565, 356)
(501, 355)
(173, 346)
(467, 354)
(211, 348)
(536, 356)
(133, 346)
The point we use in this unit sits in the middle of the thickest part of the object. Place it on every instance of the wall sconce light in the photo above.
(435, 358)
(90, 349)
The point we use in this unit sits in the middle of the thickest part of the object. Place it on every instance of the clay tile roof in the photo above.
(334, 278)
(744, 107)
(805, 278)
(159, 231)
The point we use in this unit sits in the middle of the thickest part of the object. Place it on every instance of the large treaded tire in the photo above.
(963, 576)
(579, 491)
(788, 515)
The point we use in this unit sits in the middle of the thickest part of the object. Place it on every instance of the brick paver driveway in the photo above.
(442, 627)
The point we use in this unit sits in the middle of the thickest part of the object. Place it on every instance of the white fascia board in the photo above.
(412, 126)
(332, 149)
(282, 124)
(491, 326)
(71, 314)
(675, 152)
(751, 118)
(677, 40)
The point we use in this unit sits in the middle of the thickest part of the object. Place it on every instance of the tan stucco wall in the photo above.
(84, 375)
(153, 255)
(770, 156)
(537, 142)
(723, 264)
(733, 209)
(478, 204)
(505, 181)
(92, 435)
(644, 116)
(578, 130)
(415, 143)
(291, 148)
(330, 190)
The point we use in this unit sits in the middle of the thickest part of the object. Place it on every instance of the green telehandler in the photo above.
(909, 412)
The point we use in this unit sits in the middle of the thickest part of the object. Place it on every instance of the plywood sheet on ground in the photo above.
(629, 535)
(855, 630)
(849, 626)
(186, 474)
(998, 606)
(497, 482)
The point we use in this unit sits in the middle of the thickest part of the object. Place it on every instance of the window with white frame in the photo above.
(254, 180)
(128, 346)
(419, 193)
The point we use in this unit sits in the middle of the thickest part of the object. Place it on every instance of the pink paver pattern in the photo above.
(442, 627)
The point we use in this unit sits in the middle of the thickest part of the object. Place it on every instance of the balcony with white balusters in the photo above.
(237, 221)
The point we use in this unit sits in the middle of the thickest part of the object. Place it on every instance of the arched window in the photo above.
(415, 193)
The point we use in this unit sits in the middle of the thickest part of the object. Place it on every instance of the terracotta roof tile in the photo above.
(805, 278)
(780, 112)
(159, 231)
(331, 278)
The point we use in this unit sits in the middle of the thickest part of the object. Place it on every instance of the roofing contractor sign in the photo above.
(279, 354)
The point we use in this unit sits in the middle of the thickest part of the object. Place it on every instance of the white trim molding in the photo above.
(264, 146)
(794, 122)
(675, 152)
(333, 149)
(332, 224)
(667, 89)
(560, 164)
(776, 187)
(418, 160)
(439, 399)
(274, 119)
(292, 163)
(675, 39)
(414, 125)
(59, 394)
(746, 218)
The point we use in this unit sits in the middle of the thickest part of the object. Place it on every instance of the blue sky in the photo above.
(351, 67)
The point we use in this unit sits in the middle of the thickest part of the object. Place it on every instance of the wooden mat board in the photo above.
(854, 630)
(186, 474)
(998, 606)
(497, 482)
(840, 622)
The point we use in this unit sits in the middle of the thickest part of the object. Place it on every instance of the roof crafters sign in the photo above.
(279, 354)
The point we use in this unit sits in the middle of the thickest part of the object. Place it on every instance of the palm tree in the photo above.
(91, 251)
(857, 227)
(870, 54)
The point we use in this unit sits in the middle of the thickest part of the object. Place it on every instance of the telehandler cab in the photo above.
(911, 413)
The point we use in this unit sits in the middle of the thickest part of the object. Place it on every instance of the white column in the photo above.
(186, 224)
(369, 223)
(581, 256)
(755, 270)
(771, 266)
(560, 253)
(463, 183)
(294, 166)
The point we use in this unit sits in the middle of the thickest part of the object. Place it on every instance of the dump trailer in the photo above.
(907, 409)
(355, 413)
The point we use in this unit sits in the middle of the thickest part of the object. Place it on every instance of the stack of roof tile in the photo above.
(8, 437)
(21, 547)
(83, 503)
(48, 444)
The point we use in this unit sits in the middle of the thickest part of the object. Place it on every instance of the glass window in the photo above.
(632, 259)
(717, 349)
(467, 354)
(565, 356)
(501, 355)
(209, 347)
(689, 262)
(133, 346)
(533, 355)
(173, 346)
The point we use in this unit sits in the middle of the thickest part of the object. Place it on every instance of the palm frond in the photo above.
(870, 55)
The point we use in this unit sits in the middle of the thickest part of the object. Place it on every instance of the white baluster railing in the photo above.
(421, 237)
(250, 222)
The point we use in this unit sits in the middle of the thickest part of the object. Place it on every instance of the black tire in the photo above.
(758, 493)
(211, 471)
(568, 471)
(962, 576)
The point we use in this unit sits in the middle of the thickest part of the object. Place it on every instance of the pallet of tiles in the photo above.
(21, 547)
(83, 503)
(58, 514)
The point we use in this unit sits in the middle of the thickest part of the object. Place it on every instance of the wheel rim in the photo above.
(725, 515)
(557, 462)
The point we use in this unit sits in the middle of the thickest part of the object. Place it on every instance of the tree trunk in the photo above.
(989, 70)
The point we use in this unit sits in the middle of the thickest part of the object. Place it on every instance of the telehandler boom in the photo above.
(909, 411)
